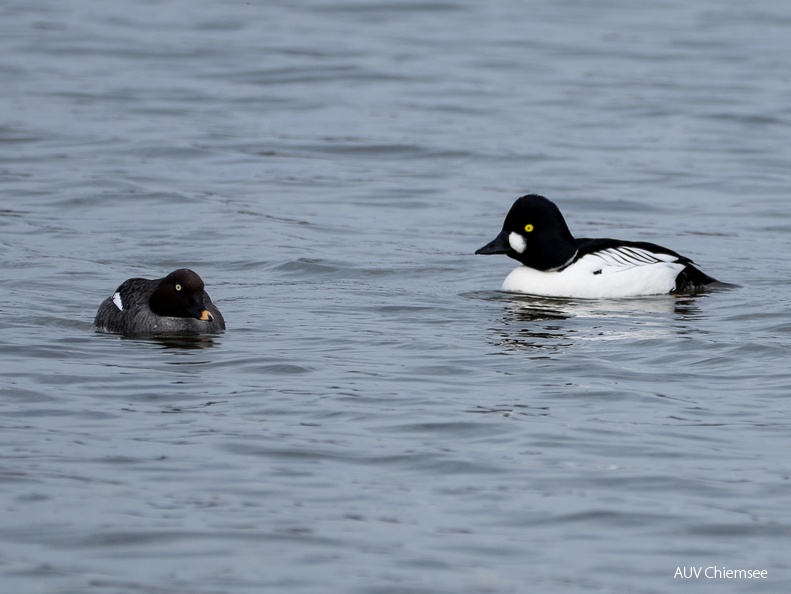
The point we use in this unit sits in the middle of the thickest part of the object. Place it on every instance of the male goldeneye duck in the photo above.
(555, 264)
(176, 304)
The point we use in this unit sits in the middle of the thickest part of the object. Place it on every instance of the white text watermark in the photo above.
(719, 573)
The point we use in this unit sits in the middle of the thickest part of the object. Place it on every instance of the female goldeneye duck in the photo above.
(174, 305)
(555, 264)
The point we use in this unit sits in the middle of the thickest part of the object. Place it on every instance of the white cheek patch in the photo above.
(117, 300)
(517, 242)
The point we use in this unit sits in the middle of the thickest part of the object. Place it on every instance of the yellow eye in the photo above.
(178, 287)
(528, 228)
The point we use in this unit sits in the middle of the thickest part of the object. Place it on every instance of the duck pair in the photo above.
(554, 264)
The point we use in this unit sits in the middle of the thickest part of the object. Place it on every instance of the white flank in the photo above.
(616, 272)
(117, 300)
(517, 242)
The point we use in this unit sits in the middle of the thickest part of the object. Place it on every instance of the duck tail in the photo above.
(691, 280)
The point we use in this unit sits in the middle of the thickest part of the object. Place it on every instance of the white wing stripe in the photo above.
(118, 301)
(644, 256)
(622, 257)
(625, 257)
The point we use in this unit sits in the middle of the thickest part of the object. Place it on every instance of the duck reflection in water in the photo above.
(552, 324)
(188, 342)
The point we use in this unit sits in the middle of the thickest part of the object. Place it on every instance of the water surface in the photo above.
(379, 417)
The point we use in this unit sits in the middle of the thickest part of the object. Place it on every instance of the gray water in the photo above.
(379, 417)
